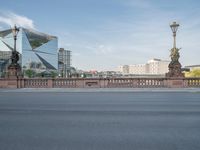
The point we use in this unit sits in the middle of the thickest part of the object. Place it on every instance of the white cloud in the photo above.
(10, 18)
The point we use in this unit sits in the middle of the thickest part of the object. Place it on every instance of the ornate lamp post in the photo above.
(15, 31)
(174, 26)
(14, 69)
(174, 66)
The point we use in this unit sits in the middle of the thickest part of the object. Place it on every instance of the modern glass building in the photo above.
(38, 51)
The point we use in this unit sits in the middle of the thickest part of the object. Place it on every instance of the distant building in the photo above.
(124, 69)
(158, 66)
(192, 67)
(4, 61)
(152, 67)
(64, 62)
(138, 69)
(34, 48)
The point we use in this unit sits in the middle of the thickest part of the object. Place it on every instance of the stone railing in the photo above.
(36, 83)
(136, 82)
(100, 83)
(192, 82)
(64, 83)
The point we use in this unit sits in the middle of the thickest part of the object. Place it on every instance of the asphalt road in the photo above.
(99, 121)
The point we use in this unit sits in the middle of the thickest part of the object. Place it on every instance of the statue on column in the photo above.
(174, 66)
(15, 57)
(175, 54)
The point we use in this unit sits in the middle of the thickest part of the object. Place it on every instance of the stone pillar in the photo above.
(103, 83)
(13, 76)
(175, 83)
(175, 70)
(14, 71)
(50, 83)
(80, 83)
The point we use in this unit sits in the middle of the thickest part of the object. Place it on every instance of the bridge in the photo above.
(173, 79)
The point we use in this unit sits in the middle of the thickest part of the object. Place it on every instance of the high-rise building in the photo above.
(37, 50)
(64, 62)
(4, 61)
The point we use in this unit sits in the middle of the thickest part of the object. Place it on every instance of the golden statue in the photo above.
(175, 54)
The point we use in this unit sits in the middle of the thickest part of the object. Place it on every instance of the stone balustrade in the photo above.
(64, 83)
(36, 83)
(100, 83)
(193, 82)
(136, 82)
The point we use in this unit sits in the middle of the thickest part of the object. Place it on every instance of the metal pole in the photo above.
(15, 37)
(174, 35)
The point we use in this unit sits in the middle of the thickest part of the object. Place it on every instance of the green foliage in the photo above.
(2, 75)
(193, 73)
(54, 74)
(30, 73)
(45, 74)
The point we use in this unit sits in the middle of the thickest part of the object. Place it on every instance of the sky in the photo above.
(103, 34)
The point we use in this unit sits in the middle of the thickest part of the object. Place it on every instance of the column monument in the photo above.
(174, 66)
(14, 69)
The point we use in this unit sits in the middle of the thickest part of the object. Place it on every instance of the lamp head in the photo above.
(15, 30)
(174, 26)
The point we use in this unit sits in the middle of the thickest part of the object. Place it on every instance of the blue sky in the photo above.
(103, 34)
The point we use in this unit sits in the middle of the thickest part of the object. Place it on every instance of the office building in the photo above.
(64, 63)
(38, 51)
(157, 66)
(152, 67)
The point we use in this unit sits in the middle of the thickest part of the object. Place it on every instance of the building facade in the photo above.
(137, 69)
(124, 69)
(64, 62)
(193, 67)
(38, 51)
(158, 66)
(152, 67)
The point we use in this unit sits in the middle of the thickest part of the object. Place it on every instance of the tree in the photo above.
(30, 73)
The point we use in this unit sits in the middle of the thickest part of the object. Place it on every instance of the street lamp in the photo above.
(174, 51)
(15, 54)
(15, 31)
(14, 69)
(174, 26)
(174, 66)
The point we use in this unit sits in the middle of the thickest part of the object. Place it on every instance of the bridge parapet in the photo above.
(101, 83)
